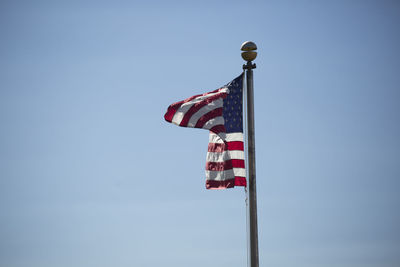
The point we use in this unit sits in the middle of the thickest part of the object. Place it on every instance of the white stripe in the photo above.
(224, 156)
(213, 138)
(229, 137)
(225, 175)
(214, 122)
(220, 175)
(236, 154)
(217, 157)
(218, 103)
(239, 172)
(180, 113)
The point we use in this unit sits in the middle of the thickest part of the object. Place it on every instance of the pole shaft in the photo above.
(254, 262)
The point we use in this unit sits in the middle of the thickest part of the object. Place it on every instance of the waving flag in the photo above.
(220, 112)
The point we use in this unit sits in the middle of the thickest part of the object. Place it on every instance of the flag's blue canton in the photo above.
(232, 110)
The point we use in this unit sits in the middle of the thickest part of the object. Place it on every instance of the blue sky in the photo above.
(91, 174)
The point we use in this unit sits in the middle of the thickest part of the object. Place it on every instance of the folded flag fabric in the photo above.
(220, 112)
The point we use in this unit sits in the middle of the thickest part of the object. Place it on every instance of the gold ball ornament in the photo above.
(249, 53)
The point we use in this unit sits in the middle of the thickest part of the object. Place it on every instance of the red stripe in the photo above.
(216, 147)
(213, 184)
(238, 163)
(219, 166)
(237, 181)
(226, 165)
(196, 107)
(169, 114)
(240, 181)
(218, 129)
(221, 147)
(236, 145)
(178, 104)
(174, 107)
(206, 117)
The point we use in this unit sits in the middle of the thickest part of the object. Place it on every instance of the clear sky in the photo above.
(92, 175)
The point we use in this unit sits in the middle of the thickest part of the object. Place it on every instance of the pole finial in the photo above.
(249, 53)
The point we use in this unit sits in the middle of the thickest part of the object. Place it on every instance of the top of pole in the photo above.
(249, 54)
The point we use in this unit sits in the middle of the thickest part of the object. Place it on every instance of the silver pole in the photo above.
(249, 55)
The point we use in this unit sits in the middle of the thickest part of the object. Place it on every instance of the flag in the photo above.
(220, 112)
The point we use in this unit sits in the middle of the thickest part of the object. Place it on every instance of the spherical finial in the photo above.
(249, 54)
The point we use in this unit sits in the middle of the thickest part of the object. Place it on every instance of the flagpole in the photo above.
(249, 54)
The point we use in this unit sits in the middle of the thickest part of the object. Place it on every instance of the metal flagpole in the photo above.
(249, 54)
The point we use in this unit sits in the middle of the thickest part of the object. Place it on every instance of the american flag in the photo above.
(220, 112)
